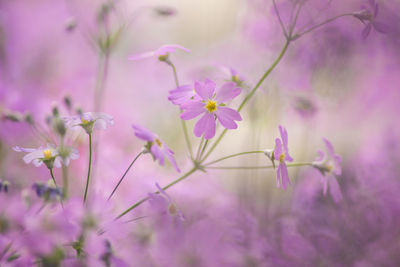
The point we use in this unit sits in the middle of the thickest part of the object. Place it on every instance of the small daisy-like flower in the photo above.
(67, 154)
(368, 16)
(89, 120)
(47, 155)
(281, 153)
(161, 53)
(183, 94)
(329, 166)
(155, 146)
(212, 105)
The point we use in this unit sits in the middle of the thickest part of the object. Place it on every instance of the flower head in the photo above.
(161, 53)
(155, 146)
(281, 153)
(48, 155)
(329, 166)
(368, 16)
(89, 120)
(211, 104)
(183, 94)
(163, 204)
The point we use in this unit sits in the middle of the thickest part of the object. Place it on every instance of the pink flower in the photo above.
(155, 146)
(211, 104)
(90, 120)
(281, 153)
(329, 166)
(368, 17)
(162, 52)
(182, 94)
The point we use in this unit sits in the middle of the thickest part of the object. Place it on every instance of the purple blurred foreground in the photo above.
(218, 93)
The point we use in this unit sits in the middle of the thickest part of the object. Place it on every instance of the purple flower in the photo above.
(182, 94)
(163, 204)
(281, 153)
(155, 146)
(88, 120)
(211, 104)
(162, 53)
(48, 155)
(329, 165)
(368, 16)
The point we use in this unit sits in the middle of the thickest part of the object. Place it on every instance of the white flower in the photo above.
(88, 120)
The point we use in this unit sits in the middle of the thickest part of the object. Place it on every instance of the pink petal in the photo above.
(143, 133)
(278, 148)
(205, 125)
(205, 90)
(366, 31)
(169, 49)
(192, 110)
(334, 190)
(227, 92)
(285, 175)
(142, 55)
(170, 156)
(226, 117)
(157, 153)
(278, 176)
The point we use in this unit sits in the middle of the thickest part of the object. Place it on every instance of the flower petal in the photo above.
(205, 125)
(227, 92)
(205, 90)
(285, 175)
(143, 133)
(278, 148)
(192, 110)
(334, 189)
(227, 117)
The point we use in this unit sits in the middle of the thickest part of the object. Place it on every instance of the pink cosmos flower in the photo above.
(162, 52)
(155, 146)
(211, 104)
(368, 16)
(281, 153)
(329, 165)
(182, 94)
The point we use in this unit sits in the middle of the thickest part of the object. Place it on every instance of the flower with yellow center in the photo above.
(211, 106)
(47, 154)
(158, 142)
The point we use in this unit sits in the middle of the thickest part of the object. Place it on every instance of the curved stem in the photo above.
(52, 177)
(123, 176)
(89, 168)
(298, 35)
(137, 204)
(249, 95)
(297, 164)
(233, 155)
(184, 127)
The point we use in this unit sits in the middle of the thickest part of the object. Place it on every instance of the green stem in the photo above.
(249, 95)
(298, 35)
(204, 148)
(234, 155)
(199, 149)
(64, 171)
(164, 188)
(183, 122)
(52, 177)
(89, 168)
(297, 164)
(123, 176)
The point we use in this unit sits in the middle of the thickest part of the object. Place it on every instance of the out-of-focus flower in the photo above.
(67, 154)
(89, 120)
(48, 155)
(329, 165)
(212, 104)
(163, 204)
(4, 186)
(281, 153)
(162, 53)
(304, 106)
(155, 146)
(182, 94)
(47, 192)
(165, 11)
(368, 16)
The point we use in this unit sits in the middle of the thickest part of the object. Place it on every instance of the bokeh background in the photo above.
(332, 83)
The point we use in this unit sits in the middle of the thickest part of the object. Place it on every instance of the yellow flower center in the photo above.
(47, 154)
(211, 106)
(282, 157)
(84, 121)
(329, 167)
(158, 142)
(235, 78)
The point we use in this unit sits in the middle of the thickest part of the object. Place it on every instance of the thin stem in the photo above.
(204, 148)
(280, 19)
(123, 176)
(298, 164)
(103, 66)
(52, 177)
(89, 168)
(249, 95)
(64, 171)
(233, 155)
(183, 122)
(295, 21)
(298, 35)
(157, 192)
(199, 149)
